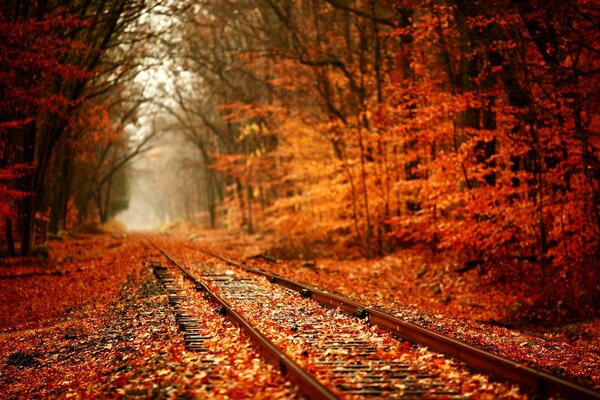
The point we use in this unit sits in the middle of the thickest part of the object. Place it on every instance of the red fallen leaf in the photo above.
(439, 362)
(237, 393)
(122, 380)
(204, 379)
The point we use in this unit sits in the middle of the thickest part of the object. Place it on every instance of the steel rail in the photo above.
(307, 384)
(541, 383)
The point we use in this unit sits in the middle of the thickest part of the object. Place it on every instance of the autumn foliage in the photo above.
(467, 129)
(33, 61)
(63, 62)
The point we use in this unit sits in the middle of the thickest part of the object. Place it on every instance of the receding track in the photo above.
(308, 386)
(330, 354)
(538, 382)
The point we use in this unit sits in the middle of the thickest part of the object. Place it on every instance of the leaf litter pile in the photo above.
(103, 329)
(468, 307)
(91, 321)
(571, 351)
(315, 338)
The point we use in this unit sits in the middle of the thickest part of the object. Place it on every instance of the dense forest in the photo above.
(463, 129)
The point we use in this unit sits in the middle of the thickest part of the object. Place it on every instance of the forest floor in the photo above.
(91, 321)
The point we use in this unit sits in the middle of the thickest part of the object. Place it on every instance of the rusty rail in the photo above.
(307, 385)
(542, 383)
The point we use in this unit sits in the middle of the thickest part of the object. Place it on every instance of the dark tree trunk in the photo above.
(10, 240)
(28, 186)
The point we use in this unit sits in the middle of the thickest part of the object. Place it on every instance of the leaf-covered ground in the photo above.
(90, 321)
(289, 321)
(100, 327)
(469, 306)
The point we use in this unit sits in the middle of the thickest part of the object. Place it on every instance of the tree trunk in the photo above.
(104, 216)
(363, 179)
(211, 198)
(28, 182)
(27, 226)
(10, 240)
(242, 203)
(249, 208)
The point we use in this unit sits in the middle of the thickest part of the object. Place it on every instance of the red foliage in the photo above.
(464, 128)
(7, 194)
(38, 57)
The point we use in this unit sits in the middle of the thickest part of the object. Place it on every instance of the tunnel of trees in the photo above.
(465, 129)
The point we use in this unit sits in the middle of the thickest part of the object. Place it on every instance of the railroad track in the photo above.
(346, 350)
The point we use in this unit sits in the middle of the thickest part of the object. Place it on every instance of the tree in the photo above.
(467, 128)
(51, 51)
